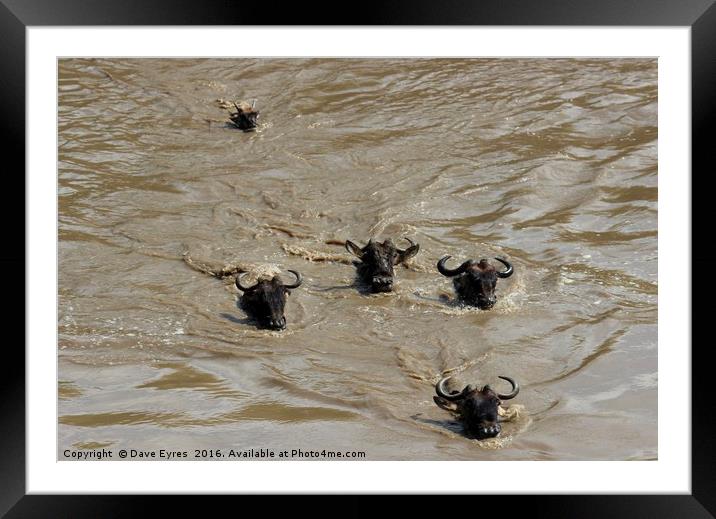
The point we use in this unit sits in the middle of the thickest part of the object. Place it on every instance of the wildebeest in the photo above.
(265, 301)
(245, 116)
(475, 281)
(476, 408)
(377, 260)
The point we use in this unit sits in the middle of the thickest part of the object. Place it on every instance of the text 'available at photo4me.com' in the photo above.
(209, 454)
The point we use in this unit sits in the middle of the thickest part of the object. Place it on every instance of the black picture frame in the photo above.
(700, 15)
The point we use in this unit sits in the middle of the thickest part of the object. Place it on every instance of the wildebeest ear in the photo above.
(408, 253)
(445, 404)
(354, 249)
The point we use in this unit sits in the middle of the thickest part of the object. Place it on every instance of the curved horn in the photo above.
(507, 273)
(299, 280)
(441, 391)
(243, 288)
(448, 272)
(513, 393)
(354, 249)
(411, 242)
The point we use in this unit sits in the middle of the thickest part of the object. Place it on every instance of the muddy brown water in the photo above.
(551, 163)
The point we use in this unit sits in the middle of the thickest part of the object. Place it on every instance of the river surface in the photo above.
(550, 163)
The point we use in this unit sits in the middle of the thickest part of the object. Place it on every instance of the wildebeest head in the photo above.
(245, 116)
(476, 408)
(475, 281)
(377, 261)
(265, 301)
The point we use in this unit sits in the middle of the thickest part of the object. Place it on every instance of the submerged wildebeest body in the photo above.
(245, 116)
(475, 281)
(475, 408)
(377, 260)
(265, 301)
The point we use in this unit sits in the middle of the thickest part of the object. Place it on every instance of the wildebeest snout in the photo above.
(486, 302)
(487, 431)
(382, 284)
(277, 323)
